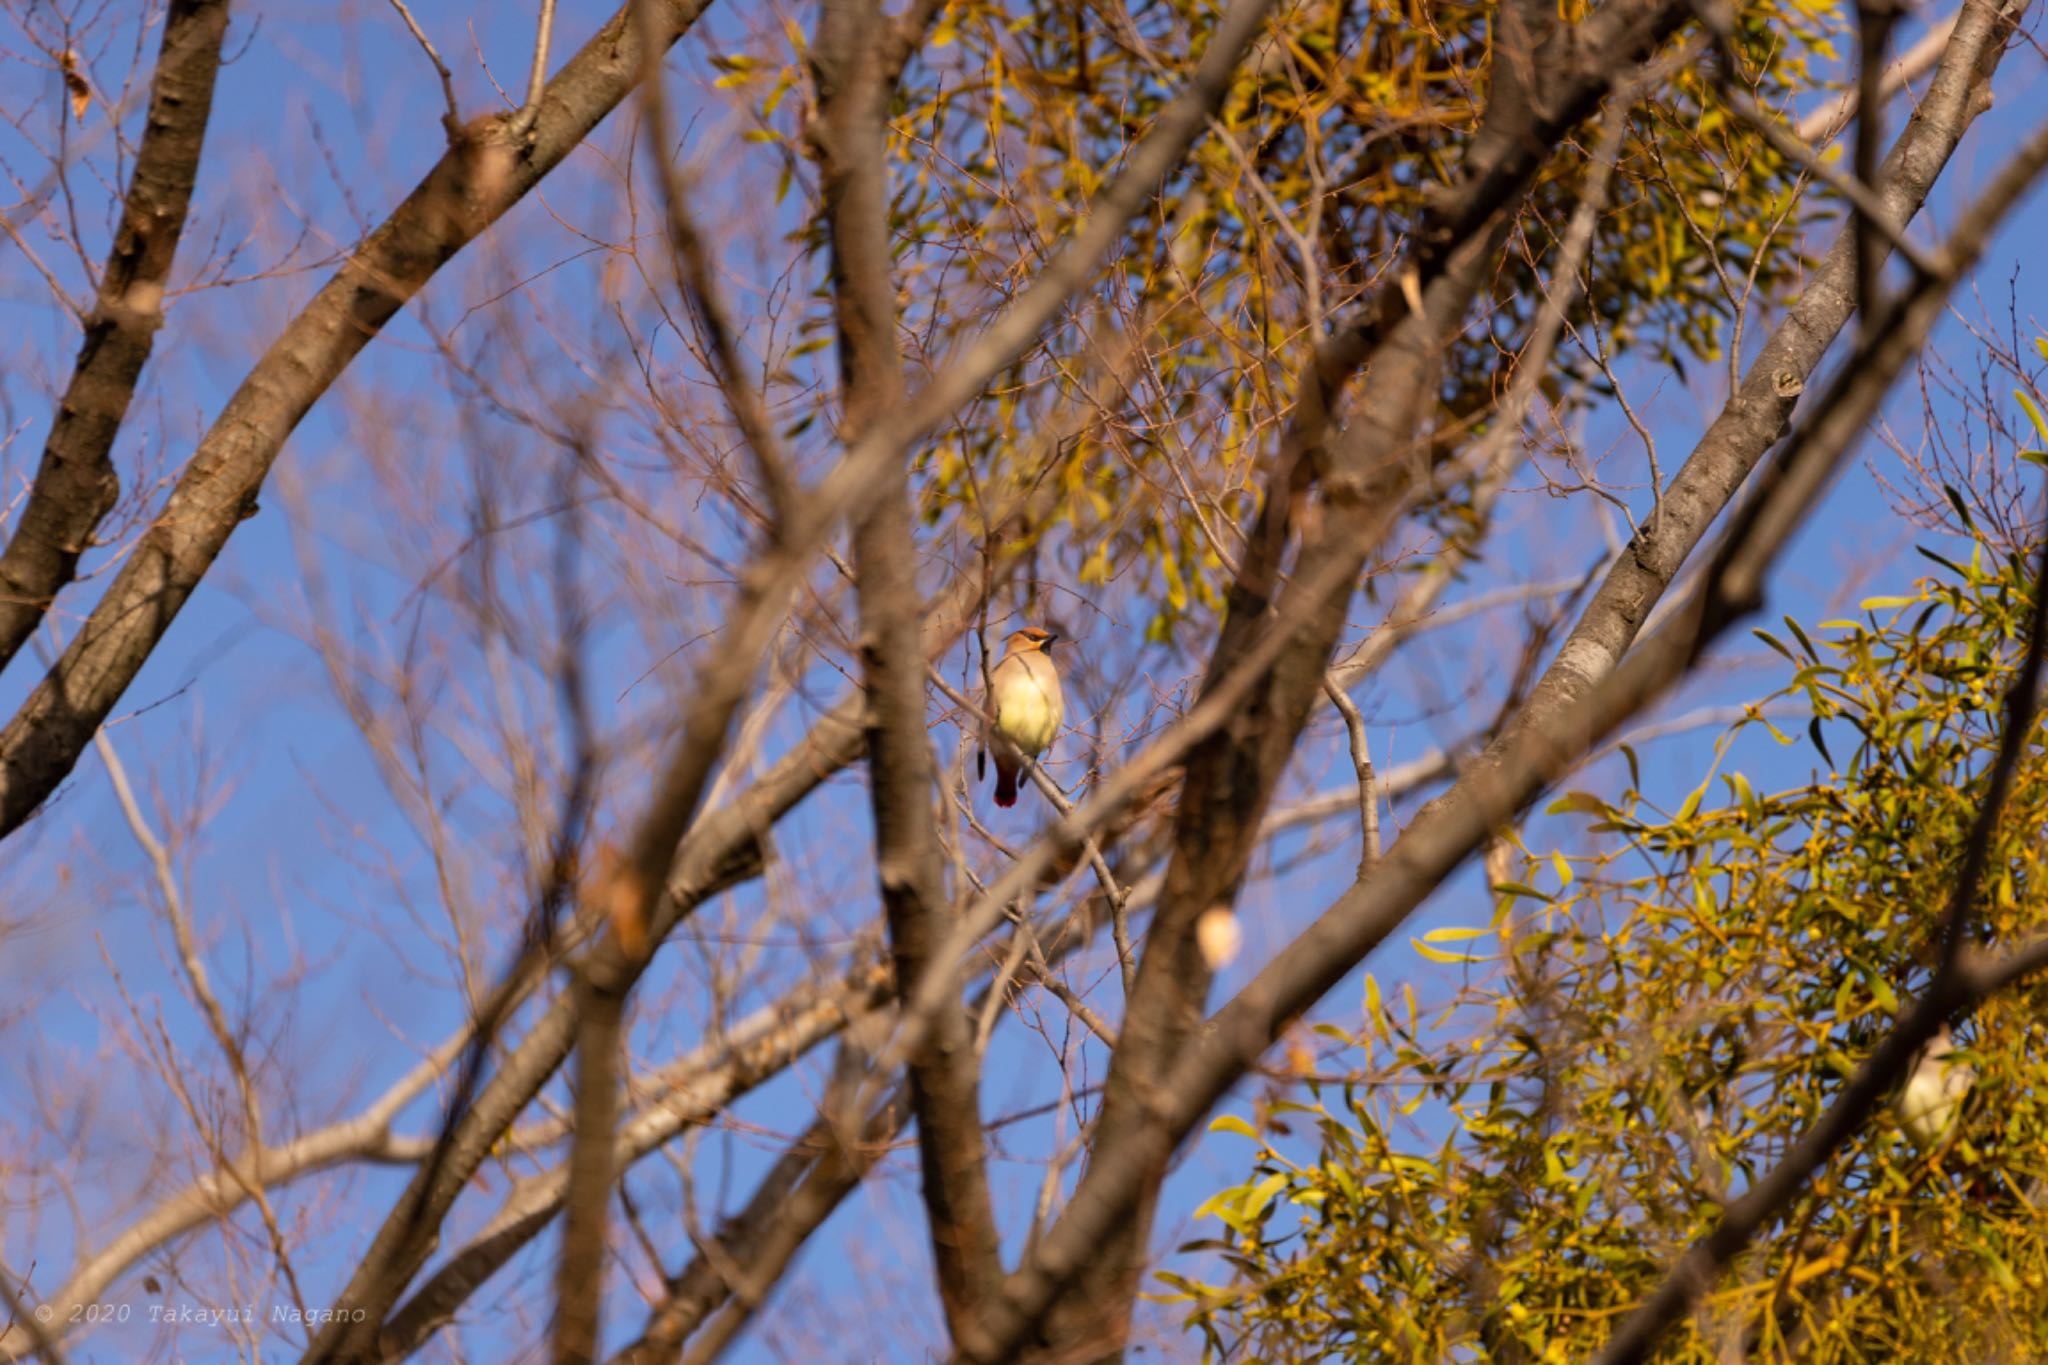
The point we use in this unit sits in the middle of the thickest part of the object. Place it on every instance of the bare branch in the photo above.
(76, 485)
(1361, 761)
(21, 1320)
(580, 1264)
(852, 72)
(536, 80)
(366, 1137)
(694, 267)
(697, 1086)
(452, 119)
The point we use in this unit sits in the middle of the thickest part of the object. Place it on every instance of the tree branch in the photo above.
(851, 142)
(76, 485)
(219, 1192)
(1825, 122)
(536, 79)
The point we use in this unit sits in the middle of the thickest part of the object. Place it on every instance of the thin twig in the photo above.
(1361, 760)
(30, 1322)
(693, 268)
(452, 119)
(536, 82)
(1117, 895)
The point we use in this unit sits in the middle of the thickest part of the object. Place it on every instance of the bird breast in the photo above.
(1029, 707)
(1932, 1097)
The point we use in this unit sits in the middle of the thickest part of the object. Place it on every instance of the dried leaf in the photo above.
(624, 898)
(75, 86)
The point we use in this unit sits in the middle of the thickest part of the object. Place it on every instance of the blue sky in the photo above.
(316, 902)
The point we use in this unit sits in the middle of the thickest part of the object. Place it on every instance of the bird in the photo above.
(1934, 1092)
(1025, 707)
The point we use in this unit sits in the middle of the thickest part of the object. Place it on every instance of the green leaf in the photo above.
(1773, 642)
(1691, 806)
(1813, 733)
(1955, 499)
(1800, 635)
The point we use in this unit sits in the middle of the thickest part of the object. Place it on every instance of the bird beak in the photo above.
(1052, 637)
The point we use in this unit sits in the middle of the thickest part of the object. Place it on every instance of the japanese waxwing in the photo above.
(1934, 1091)
(1024, 705)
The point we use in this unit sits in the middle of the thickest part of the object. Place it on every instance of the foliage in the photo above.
(1662, 1023)
(1327, 153)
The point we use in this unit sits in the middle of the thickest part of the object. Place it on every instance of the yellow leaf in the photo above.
(1564, 869)
(1231, 1123)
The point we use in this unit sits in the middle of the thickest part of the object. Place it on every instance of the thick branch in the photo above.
(76, 485)
(579, 1279)
(1364, 477)
(945, 1077)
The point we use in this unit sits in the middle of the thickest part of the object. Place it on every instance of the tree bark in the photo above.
(76, 484)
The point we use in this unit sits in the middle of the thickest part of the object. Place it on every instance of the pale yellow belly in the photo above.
(1028, 716)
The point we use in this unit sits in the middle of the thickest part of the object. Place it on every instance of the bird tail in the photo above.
(1006, 784)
